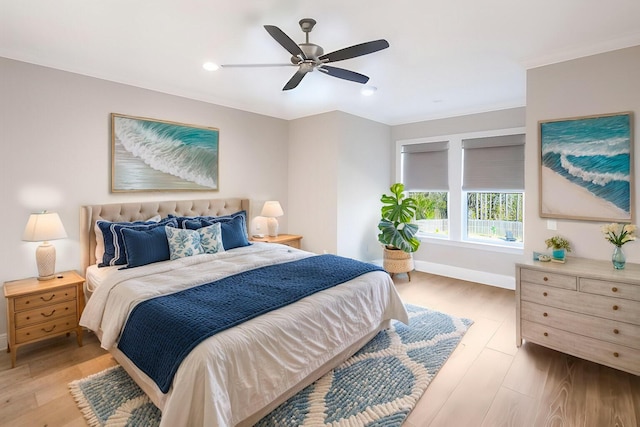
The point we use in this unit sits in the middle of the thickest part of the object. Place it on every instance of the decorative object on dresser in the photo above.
(560, 245)
(42, 227)
(586, 166)
(272, 210)
(159, 155)
(618, 235)
(397, 231)
(584, 308)
(38, 310)
(292, 240)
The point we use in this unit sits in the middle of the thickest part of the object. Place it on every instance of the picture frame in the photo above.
(159, 155)
(586, 168)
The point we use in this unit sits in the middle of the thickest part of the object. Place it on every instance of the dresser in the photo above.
(37, 310)
(583, 307)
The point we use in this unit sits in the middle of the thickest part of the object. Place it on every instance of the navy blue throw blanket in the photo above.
(160, 332)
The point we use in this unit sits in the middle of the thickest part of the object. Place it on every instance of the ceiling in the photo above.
(445, 58)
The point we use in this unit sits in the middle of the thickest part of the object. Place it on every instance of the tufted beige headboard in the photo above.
(143, 210)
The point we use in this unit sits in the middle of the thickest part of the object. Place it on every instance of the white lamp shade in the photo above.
(272, 209)
(44, 226)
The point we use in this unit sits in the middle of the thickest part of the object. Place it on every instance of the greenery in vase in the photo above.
(557, 242)
(619, 234)
(398, 212)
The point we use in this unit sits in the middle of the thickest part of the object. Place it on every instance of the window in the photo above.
(493, 182)
(425, 169)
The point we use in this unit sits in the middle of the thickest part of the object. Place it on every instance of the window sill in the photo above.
(482, 246)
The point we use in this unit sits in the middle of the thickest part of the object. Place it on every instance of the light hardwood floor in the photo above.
(486, 382)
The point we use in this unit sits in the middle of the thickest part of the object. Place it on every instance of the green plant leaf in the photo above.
(402, 239)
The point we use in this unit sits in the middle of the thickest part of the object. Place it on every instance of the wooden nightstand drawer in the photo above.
(52, 327)
(45, 298)
(43, 314)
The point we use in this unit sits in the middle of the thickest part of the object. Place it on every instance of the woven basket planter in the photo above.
(397, 261)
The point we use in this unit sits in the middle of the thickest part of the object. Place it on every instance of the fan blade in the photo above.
(285, 41)
(355, 50)
(296, 79)
(341, 73)
(256, 65)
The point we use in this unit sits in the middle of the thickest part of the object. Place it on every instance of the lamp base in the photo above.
(46, 260)
(272, 226)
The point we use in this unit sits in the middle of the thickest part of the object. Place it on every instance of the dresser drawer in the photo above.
(609, 308)
(614, 355)
(549, 279)
(52, 327)
(595, 327)
(44, 298)
(45, 313)
(610, 289)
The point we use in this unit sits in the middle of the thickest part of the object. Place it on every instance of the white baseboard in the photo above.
(492, 279)
(3, 341)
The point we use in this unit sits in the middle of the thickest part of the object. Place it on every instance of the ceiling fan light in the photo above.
(210, 66)
(368, 90)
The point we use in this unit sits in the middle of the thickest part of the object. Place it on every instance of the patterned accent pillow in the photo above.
(183, 243)
(211, 238)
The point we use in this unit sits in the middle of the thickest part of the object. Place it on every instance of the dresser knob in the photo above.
(615, 331)
(615, 307)
(545, 314)
(546, 334)
(545, 278)
(544, 294)
(616, 354)
(614, 289)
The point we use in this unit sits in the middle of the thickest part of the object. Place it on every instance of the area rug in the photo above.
(378, 386)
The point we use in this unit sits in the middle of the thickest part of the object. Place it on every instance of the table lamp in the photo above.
(271, 210)
(42, 227)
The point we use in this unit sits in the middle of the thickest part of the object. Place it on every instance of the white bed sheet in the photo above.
(231, 375)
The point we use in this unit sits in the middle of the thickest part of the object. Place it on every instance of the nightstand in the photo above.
(37, 310)
(292, 240)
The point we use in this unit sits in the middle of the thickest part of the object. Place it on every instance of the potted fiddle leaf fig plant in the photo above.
(397, 230)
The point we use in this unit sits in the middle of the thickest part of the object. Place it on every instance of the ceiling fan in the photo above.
(309, 56)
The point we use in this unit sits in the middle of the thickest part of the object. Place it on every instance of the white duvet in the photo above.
(239, 371)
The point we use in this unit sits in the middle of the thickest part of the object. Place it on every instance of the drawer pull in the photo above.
(50, 330)
(48, 315)
(614, 289)
(616, 354)
(52, 297)
(545, 314)
(615, 307)
(545, 278)
(615, 331)
(544, 294)
(546, 334)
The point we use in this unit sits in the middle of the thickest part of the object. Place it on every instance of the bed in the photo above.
(240, 374)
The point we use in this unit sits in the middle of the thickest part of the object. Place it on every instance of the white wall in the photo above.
(339, 165)
(599, 84)
(464, 261)
(55, 137)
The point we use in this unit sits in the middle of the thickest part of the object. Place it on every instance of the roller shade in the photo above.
(425, 167)
(494, 163)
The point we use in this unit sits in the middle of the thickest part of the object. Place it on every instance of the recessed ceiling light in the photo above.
(368, 90)
(210, 66)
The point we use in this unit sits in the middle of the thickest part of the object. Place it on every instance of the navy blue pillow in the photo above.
(234, 232)
(144, 247)
(114, 253)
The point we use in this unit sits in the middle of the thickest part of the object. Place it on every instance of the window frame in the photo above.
(457, 197)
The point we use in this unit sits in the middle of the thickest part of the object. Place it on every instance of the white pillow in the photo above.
(100, 238)
(185, 242)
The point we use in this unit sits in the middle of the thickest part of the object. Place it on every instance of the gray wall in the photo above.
(599, 84)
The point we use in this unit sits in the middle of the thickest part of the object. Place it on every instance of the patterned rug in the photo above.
(378, 386)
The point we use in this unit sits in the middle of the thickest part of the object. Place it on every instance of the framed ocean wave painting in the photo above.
(586, 168)
(159, 155)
